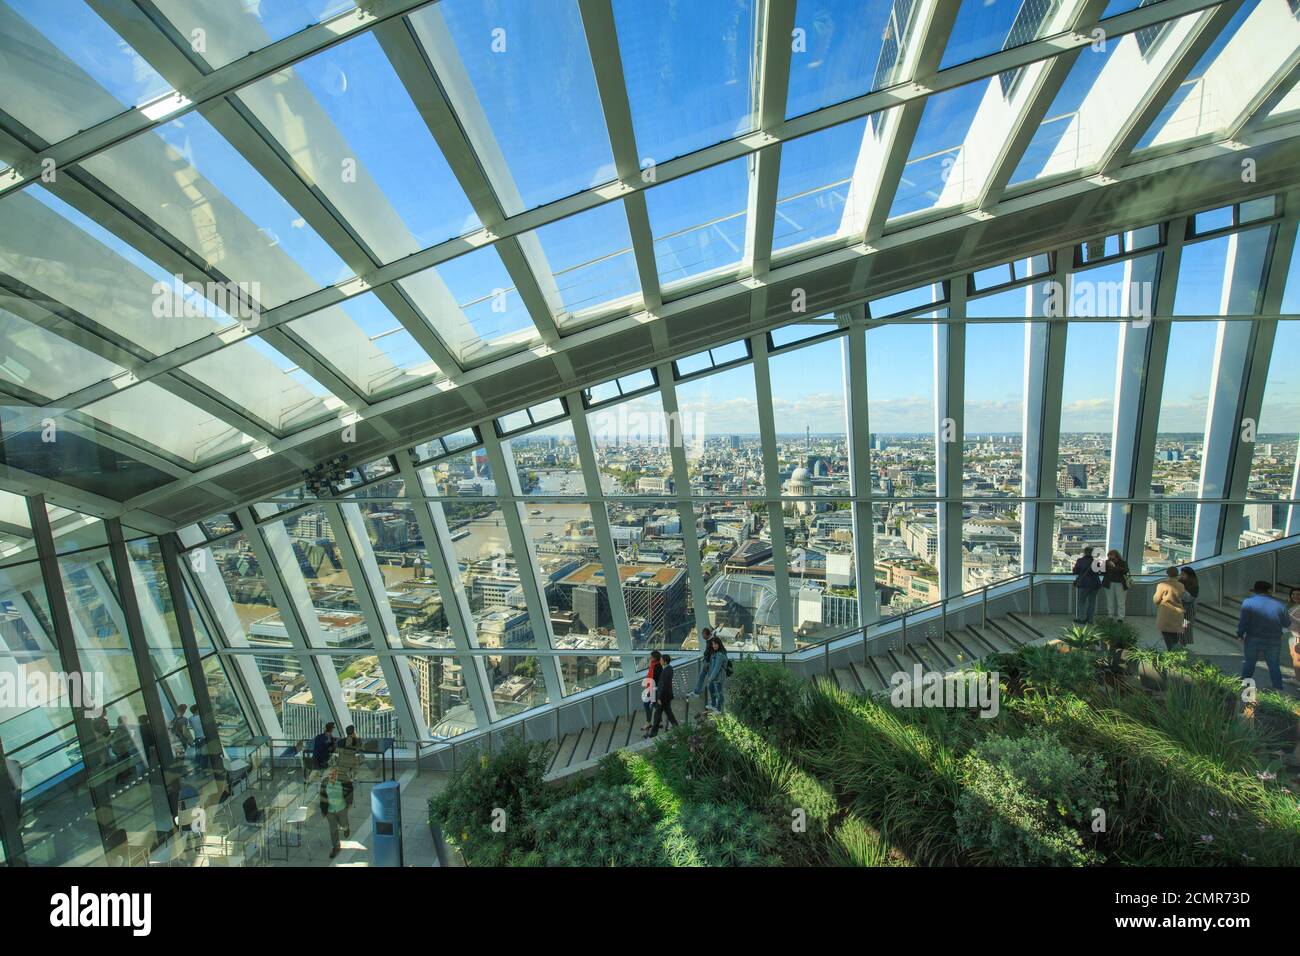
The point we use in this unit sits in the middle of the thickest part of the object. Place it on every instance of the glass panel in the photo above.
(819, 536)
(47, 244)
(484, 557)
(1087, 409)
(191, 181)
(229, 31)
(364, 342)
(416, 596)
(365, 692)
(76, 72)
(990, 543)
(520, 79)
(935, 174)
(443, 698)
(472, 302)
(907, 300)
(698, 221)
(290, 694)
(547, 461)
(652, 569)
(1273, 454)
(985, 26)
(157, 614)
(584, 673)
(169, 424)
(1062, 139)
(1215, 91)
(1223, 276)
(46, 365)
(994, 409)
(834, 50)
(330, 587)
(563, 542)
(97, 621)
(229, 715)
(591, 261)
(689, 72)
(632, 447)
(517, 684)
(811, 422)
(719, 421)
(900, 407)
(350, 128)
(1087, 426)
(262, 382)
(815, 194)
(1180, 438)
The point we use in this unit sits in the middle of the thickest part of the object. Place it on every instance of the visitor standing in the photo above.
(1087, 580)
(1168, 600)
(1116, 580)
(719, 671)
(1263, 621)
(323, 746)
(702, 681)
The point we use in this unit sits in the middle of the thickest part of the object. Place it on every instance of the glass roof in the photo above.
(220, 277)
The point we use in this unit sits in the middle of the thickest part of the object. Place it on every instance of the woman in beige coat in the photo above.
(1168, 600)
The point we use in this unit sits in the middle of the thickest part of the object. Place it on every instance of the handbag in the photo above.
(648, 695)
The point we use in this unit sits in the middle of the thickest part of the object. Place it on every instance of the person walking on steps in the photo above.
(719, 671)
(664, 697)
(649, 688)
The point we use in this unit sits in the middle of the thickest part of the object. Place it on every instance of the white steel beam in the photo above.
(772, 491)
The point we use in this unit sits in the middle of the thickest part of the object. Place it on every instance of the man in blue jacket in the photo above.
(1263, 621)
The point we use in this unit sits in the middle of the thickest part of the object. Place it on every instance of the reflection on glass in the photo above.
(698, 221)
(590, 260)
(351, 130)
(844, 48)
(520, 79)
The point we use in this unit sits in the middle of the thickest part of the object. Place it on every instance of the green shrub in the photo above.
(857, 844)
(771, 783)
(725, 834)
(888, 767)
(599, 826)
(1071, 783)
(1045, 669)
(767, 698)
(1000, 822)
(506, 786)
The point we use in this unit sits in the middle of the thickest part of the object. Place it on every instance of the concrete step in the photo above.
(1009, 631)
(930, 661)
(867, 677)
(951, 652)
(1037, 630)
(991, 639)
(847, 680)
(883, 667)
